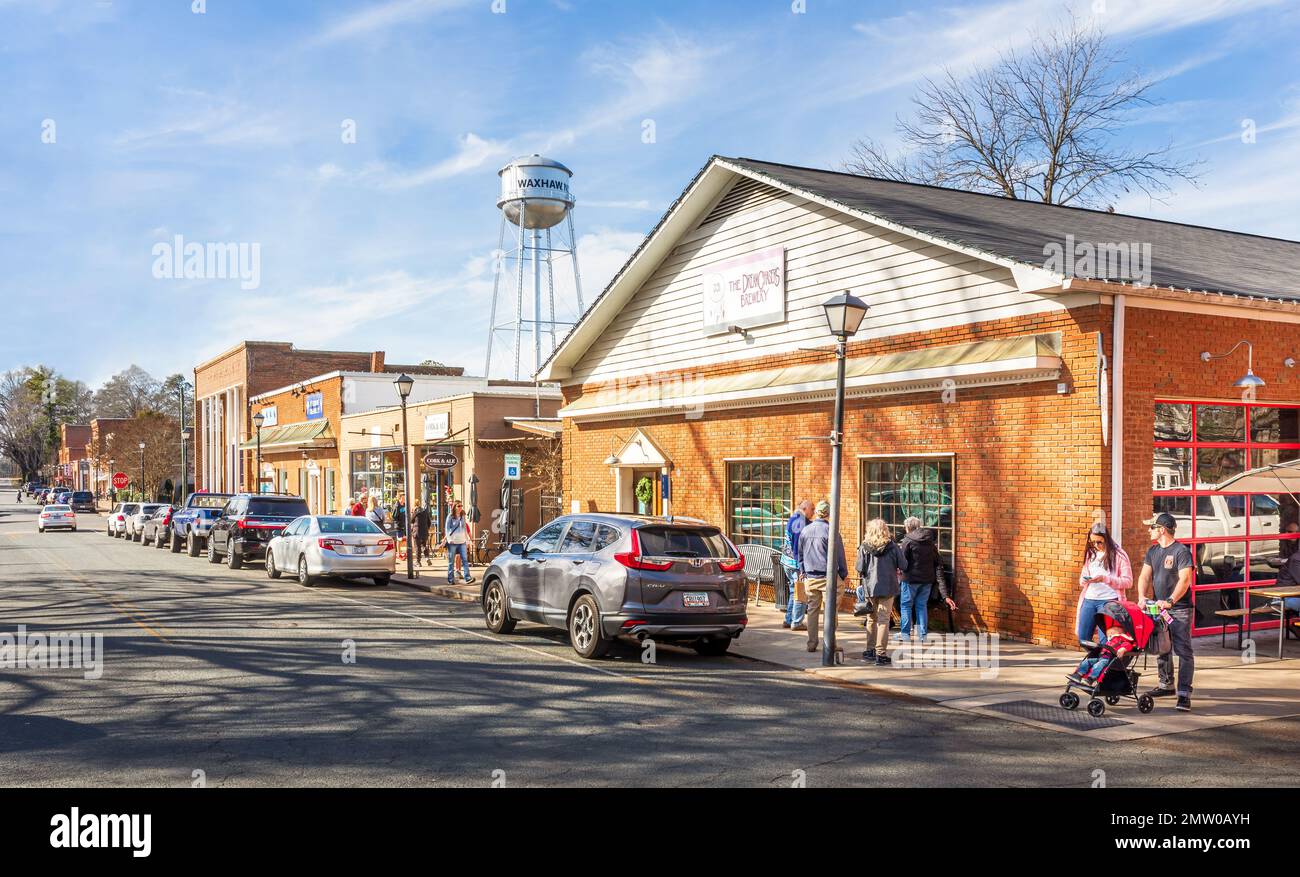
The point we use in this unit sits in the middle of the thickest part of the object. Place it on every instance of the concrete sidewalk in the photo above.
(1022, 682)
(433, 580)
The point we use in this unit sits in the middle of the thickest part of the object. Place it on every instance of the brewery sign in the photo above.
(745, 292)
(440, 460)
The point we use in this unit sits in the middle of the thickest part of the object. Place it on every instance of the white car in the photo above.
(135, 523)
(326, 545)
(57, 517)
(118, 518)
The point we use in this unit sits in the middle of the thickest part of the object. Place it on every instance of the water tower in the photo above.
(537, 208)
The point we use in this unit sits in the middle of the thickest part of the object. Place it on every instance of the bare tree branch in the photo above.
(1040, 124)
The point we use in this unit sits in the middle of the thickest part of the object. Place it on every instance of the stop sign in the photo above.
(120, 481)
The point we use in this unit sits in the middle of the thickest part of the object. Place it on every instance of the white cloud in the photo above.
(472, 153)
(379, 18)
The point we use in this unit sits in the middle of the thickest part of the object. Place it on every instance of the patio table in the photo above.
(1273, 594)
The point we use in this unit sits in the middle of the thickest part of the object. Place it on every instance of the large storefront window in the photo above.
(379, 472)
(906, 487)
(760, 497)
(1228, 474)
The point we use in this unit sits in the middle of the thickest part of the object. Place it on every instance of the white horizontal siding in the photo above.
(910, 286)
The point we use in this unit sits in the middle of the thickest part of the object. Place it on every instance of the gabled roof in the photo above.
(1182, 256)
(1003, 231)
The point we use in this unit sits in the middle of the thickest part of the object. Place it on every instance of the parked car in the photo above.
(135, 523)
(341, 546)
(191, 523)
(57, 517)
(247, 525)
(602, 576)
(63, 496)
(119, 516)
(82, 501)
(157, 528)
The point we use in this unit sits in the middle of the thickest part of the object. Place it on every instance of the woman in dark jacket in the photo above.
(880, 568)
(922, 571)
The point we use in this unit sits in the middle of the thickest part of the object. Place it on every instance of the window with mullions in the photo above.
(1230, 476)
(901, 488)
(759, 502)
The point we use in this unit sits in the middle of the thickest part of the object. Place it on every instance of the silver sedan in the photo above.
(326, 545)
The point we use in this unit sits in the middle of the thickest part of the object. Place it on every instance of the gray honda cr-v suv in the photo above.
(600, 576)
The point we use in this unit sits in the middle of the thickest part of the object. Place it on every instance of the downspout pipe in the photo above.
(1117, 420)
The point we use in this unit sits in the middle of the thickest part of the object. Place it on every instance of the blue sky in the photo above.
(226, 126)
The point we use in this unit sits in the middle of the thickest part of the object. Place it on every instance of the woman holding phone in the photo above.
(1107, 573)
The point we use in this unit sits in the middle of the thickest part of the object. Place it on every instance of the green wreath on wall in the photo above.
(645, 490)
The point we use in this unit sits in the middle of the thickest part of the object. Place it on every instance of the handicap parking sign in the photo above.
(513, 466)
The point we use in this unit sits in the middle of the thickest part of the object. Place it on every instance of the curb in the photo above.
(450, 593)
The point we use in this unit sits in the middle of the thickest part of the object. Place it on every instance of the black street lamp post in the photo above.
(143, 499)
(258, 419)
(404, 385)
(844, 314)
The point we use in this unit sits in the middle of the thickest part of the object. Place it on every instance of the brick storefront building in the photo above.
(301, 427)
(73, 468)
(985, 391)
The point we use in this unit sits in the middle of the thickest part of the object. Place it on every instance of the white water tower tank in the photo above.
(537, 188)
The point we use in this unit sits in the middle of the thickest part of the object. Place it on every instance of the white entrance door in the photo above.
(313, 492)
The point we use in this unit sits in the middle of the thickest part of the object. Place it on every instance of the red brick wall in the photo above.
(1162, 353)
(1030, 468)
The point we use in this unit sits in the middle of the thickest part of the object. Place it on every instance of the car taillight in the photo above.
(633, 559)
(737, 561)
(329, 543)
(387, 544)
(167, 519)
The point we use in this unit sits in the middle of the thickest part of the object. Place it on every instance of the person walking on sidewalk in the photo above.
(794, 609)
(421, 521)
(1107, 573)
(1167, 571)
(814, 558)
(922, 572)
(376, 513)
(457, 539)
(880, 568)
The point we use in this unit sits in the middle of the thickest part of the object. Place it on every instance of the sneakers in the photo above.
(813, 647)
(1184, 704)
(800, 626)
(1076, 679)
(1161, 692)
(470, 580)
(785, 624)
(883, 661)
(869, 655)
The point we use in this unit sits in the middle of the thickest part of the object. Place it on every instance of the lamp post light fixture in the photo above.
(404, 385)
(258, 419)
(1249, 380)
(142, 481)
(844, 315)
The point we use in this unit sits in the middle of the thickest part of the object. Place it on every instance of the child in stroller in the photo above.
(1107, 671)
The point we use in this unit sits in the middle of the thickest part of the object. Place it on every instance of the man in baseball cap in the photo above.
(1167, 571)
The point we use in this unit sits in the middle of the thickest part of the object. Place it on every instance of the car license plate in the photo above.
(695, 599)
(361, 550)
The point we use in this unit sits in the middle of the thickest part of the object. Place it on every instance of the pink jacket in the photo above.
(1121, 579)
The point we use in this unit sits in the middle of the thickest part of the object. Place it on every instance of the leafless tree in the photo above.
(1041, 124)
(24, 433)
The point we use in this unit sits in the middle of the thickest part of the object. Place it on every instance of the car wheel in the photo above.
(495, 614)
(304, 579)
(192, 545)
(40, 529)
(585, 635)
(212, 552)
(174, 543)
(271, 571)
(713, 647)
(383, 581)
(233, 558)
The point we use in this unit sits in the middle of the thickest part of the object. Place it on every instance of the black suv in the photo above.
(82, 501)
(248, 522)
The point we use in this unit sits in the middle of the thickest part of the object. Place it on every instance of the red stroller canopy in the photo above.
(1131, 617)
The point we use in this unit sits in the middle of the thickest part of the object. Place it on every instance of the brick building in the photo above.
(223, 387)
(73, 468)
(301, 425)
(101, 467)
(985, 391)
(479, 428)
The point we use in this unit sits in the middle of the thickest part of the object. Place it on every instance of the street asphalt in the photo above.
(245, 679)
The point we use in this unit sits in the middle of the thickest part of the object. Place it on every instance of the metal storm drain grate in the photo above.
(1053, 714)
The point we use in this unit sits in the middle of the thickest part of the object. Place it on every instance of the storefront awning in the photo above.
(313, 434)
(977, 364)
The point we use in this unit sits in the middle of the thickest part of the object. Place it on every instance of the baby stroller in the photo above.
(1119, 680)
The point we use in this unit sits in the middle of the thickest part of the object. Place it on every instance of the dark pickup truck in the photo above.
(248, 522)
(191, 523)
